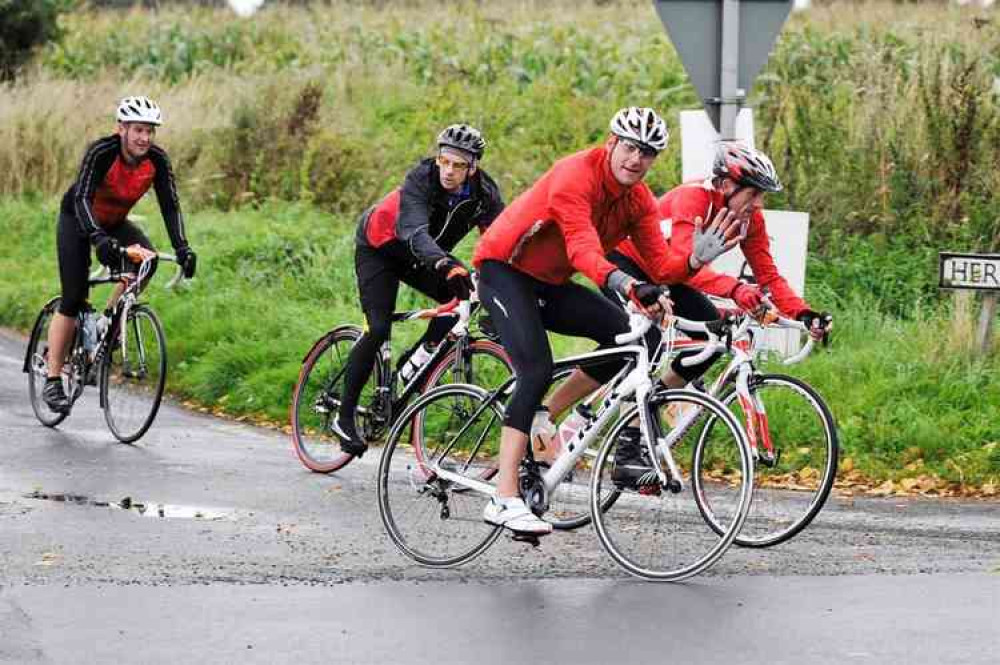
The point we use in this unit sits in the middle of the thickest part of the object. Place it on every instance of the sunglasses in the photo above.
(454, 164)
(631, 147)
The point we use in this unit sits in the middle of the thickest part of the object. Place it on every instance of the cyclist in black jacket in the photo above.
(407, 238)
(116, 172)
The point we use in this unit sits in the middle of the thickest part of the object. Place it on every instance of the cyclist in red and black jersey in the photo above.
(740, 178)
(407, 238)
(115, 173)
(565, 223)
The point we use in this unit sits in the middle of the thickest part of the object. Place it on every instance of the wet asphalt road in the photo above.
(295, 567)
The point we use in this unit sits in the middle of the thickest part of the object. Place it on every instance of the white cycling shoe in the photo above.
(513, 514)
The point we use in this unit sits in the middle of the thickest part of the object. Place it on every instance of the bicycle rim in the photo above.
(790, 492)
(652, 532)
(431, 520)
(37, 365)
(316, 402)
(133, 375)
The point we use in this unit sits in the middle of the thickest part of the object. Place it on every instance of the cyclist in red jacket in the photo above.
(583, 207)
(740, 178)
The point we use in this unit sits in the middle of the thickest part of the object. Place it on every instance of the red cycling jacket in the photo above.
(572, 217)
(680, 206)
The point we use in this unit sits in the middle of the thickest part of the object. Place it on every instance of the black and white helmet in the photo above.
(746, 166)
(463, 137)
(139, 109)
(642, 125)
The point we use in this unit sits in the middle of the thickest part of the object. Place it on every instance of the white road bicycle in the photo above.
(431, 504)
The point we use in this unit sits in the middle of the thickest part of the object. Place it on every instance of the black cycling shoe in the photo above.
(350, 441)
(633, 469)
(55, 397)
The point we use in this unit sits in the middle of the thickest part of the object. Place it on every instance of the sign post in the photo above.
(976, 272)
(723, 44)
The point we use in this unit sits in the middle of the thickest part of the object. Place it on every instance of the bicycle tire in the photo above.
(316, 401)
(788, 495)
(36, 366)
(500, 371)
(660, 535)
(130, 402)
(425, 516)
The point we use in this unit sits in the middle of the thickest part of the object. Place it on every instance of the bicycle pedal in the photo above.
(529, 538)
(650, 490)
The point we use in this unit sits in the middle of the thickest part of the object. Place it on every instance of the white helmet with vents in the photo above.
(641, 125)
(139, 109)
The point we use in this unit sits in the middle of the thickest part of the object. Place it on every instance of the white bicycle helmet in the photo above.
(139, 109)
(642, 125)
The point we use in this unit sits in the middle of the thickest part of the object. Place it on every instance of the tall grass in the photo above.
(881, 117)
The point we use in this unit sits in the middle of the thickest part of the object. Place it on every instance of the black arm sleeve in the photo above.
(96, 163)
(414, 218)
(494, 205)
(166, 196)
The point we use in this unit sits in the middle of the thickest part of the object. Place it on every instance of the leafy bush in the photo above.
(23, 27)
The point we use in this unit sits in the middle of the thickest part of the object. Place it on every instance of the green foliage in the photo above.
(24, 26)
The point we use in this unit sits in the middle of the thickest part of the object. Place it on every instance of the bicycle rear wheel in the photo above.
(796, 472)
(659, 534)
(435, 521)
(316, 402)
(36, 365)
(133, 374)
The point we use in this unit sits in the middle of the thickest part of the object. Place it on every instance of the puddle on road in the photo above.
(145, 509)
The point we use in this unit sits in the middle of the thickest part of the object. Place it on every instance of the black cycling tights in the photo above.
(689, 303)
(74, 259)
(523, 308)
(378, 283)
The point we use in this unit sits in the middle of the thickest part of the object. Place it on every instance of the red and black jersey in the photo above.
(107, 188)
(419, 220)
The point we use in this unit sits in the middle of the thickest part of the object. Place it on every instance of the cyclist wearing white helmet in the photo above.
(115, 173)
(407, 237)
(565, 223)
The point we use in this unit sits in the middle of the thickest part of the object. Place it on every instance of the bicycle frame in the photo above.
(632, 380)
(743, 349)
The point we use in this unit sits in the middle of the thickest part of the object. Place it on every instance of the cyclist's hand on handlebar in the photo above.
(137, 253)
(109, 252)
(651, 299)
(188, 260)
(820, 324)
(457, 276)
(747, 297)
(714, 240)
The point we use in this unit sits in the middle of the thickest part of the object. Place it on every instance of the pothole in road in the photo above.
(145, 509)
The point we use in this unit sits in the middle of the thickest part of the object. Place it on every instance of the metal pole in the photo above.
(730, 94)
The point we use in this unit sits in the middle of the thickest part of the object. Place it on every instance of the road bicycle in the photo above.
(127, 359)
(463, 356)
(431, 502)
(791, 430)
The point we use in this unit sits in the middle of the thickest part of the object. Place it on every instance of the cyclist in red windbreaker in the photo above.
(740, 178)
(583, 207)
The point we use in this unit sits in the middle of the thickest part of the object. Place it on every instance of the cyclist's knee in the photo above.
(379, 327)
(71, 305)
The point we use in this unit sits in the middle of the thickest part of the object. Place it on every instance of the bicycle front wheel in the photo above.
(434, 520)
(316, 402)
(796, 440)
(484, 364)
(655, 531)
(133, 374)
